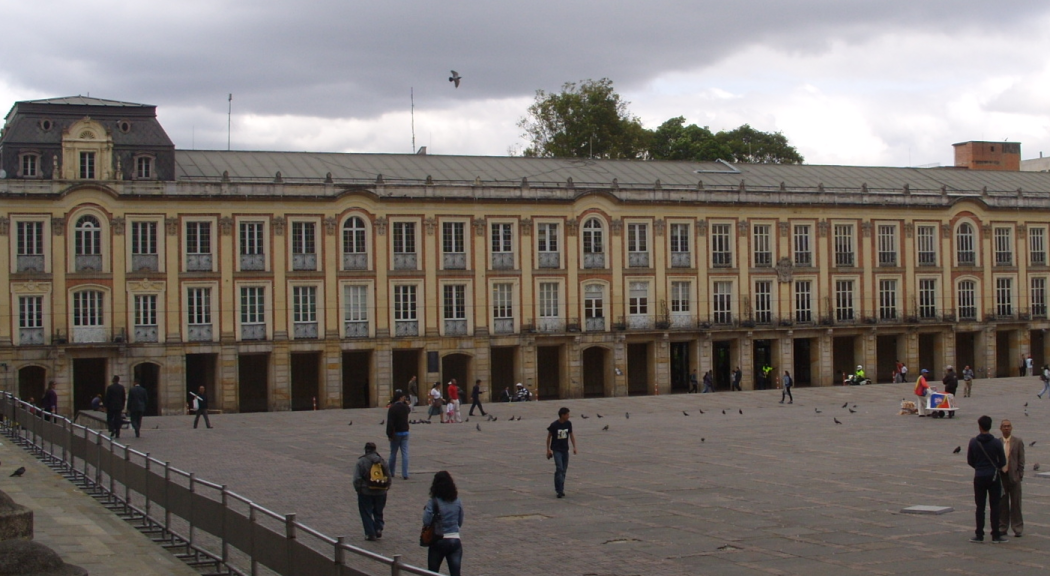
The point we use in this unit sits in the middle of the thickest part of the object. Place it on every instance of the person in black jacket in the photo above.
(986, 456)
(137, 400)
(475, 396)
(397, 432)
(116, 397)
(371, 496)
(202, 407)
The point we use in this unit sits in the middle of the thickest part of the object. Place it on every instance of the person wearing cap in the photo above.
(921, 390)
(950, 380)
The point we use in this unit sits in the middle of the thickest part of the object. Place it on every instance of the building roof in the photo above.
(86, 101)
(412, 169)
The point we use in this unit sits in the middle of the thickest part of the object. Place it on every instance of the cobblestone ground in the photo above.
(776, 489)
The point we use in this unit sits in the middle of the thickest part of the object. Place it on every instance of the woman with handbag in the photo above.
(443, 515)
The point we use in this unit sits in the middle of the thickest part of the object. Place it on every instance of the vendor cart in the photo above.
(941, 404)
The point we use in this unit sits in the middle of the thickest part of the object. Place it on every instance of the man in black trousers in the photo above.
(986, 456)
(116, 397)
(138, 398)
(475, 396)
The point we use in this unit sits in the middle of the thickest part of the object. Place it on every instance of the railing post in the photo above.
(167, 496)
(289, 534)
(251, 539)
(127, 491)
(225, 509)
(340, 555)
(395, 567)
(98, 460)
(193, 487)
(146, 488)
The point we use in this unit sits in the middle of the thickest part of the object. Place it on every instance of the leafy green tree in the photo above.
(756, 147)
(673, 140)
(585, 120)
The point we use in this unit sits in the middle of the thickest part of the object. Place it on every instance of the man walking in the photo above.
(985, 455)
(475, 397)
(137, 400)
(559, 433)
(1013, 474)
(50, 400)
(202, 407)
(737, 376)
(694, 384)
(708, 382)
(116, 397)
(786, 383)
(453, 399)
(371, 481)
(413, 392)
(397, 432)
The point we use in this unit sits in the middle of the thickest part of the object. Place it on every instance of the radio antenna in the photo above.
(412, 97)
(229, 113)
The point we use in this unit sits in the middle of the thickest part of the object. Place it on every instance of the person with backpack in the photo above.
(371, 481)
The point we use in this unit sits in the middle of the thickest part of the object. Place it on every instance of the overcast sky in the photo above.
(886, 82)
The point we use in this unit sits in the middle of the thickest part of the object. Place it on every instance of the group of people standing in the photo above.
(709, 383)
(998, 465)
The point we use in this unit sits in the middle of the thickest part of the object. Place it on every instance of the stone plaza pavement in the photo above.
(779, 489)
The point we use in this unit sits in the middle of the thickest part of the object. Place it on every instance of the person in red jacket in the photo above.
(453, 400)
(922, 389)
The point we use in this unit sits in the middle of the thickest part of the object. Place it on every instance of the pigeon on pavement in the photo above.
(684, 412)
(19, 472)
(957, 450)
(598, 415)
(606, 427)
(836, 420)
(1032, 443)
(478, 427)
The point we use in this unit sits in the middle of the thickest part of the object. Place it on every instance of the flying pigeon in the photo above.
(957, 450)
(19, 472)
(455, 78)
(836, 420)
(478, 427)
(607, 427)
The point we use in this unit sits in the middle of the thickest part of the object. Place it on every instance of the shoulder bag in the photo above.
(431, 533)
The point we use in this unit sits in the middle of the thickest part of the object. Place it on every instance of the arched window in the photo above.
(967, 300)
(593, 244)
(88, 236)
(355, 247)
(964, 245)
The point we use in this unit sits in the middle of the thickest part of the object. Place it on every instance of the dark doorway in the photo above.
(1005, 363)
(637, 369)
(1036, 345)
(802, 349)
(965, 344)
(406, 366)
(763, 358)
(548, 370)
(885, 358)
(594, 372)
(680, 367)
(502, 373)
(457, 366)
(31, 384)
(928, 355)
(89, 379)
(842, 357)
(148, 375)
(357, 366)
(200, 371)
(306, 380)
(722, 366)
(253, 382)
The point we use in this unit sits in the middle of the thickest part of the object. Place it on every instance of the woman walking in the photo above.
(444, 498)
(1045, 377)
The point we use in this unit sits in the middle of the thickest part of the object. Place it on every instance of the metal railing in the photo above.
(185, 511)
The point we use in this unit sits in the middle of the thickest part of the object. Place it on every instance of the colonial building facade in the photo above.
(298, 280)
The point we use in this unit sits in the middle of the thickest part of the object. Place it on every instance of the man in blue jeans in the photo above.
(559, 433)
(987, 457)
(397, 432)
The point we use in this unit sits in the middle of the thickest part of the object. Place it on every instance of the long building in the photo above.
(287, 280)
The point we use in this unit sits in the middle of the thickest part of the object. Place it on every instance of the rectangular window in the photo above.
(761, 245)
(1037, 246)
(251, 238)
(303, 238)
(926, 240)
(144, 238)
(927, 298)
(967, 300)
(356, 303)
(594, 301)
(503, 301)
(144, 167)
(803, 301)
(887, 299)
(1004, 297)
(29, 166)
(30, 238)
(680, 238)
(721, 247)
(1038, 297)
(680, 300)
(405, 302)
(547, 237)
(637, 238)
(887, 237)
(501, 238)
(452, 238)
(253, 305)
(844, 300)
(145, 310)
(87, 308)
(30, 311)
(198, 237)
(843, 245)
(803, 252)
(304, 304)
(549, 300)
(764, 301)
(638, 299)
(87, 165)
(1004, 250)
(722, 304)
(404, 237)
(455, 302)
(198, 308)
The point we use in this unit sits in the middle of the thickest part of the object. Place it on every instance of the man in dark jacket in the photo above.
(50, 402)
(371, 495)
(950, 380)
(986, 456)
(202, 407)
(397, 432)
(475, 396)
(137, 400)
(116, 397)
